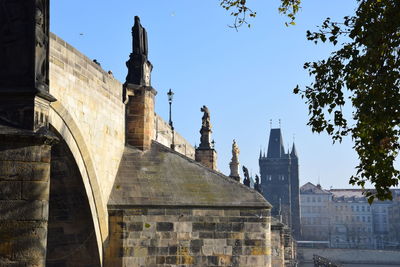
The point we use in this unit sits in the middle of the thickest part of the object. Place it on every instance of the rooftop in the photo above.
(162, 177)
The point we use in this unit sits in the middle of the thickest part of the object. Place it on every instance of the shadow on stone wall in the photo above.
(71, 237)
(24, 168)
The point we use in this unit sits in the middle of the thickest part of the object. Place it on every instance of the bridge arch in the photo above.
(88, 117)
(65, 127)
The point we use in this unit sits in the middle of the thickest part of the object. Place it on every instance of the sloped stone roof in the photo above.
(162, 177)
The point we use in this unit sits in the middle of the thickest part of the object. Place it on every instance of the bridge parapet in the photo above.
(163, 135)
(93, 99)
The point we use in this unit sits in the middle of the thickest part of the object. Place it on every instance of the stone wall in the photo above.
(71, 238)
(189, 237)
(24, 198)
(140, 117)
(277, 244)
(94, 100)
(163, 135)
(207, 157)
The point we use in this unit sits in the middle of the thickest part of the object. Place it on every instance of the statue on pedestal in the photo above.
(139, 67)
(234, 164)
(205, 130)
(246, 180)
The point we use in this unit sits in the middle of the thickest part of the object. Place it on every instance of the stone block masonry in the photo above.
(207, 157)
(24, 197)
(140, 118)
(189, 237)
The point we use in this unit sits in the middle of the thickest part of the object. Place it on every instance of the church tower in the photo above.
(280, 181)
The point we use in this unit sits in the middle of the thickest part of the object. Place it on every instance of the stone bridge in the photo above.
(89, 175)
(89, 115)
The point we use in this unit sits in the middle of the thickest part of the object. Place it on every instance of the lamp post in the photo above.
(170, 95)
(170, 98)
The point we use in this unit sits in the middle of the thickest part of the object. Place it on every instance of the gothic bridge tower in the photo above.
(280, 181)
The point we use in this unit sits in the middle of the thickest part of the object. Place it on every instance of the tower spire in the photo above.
(275, 144)
(294, 151)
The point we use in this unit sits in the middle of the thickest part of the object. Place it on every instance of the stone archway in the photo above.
(64, 126)
(25, 159)
(71, 236)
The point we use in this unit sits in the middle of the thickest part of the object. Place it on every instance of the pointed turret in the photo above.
(260, 154)
(275, 144)
(293, 154)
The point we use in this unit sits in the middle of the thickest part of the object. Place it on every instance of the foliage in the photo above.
(241, 12)
(364, 71)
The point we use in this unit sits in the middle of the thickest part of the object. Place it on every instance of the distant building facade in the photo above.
(314, 214)
(344, 219)
(280, 181)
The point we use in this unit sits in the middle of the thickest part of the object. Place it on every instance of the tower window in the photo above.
(269, 177)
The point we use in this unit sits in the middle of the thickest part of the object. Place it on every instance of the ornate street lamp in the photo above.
(170, 98)
(170, 95)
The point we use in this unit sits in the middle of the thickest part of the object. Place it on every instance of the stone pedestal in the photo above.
(24, 196)
(234, 166)
(207, 157)
(205, 138)
(140, 116)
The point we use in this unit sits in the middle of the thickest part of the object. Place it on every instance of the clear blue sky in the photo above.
(245, 78)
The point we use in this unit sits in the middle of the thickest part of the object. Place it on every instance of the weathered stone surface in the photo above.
(93, 100)
(160, 177)
(24, 187)
(140, 117)
(17, 210)
(10, 190)
(188, 238)
(70, 226)
(35, 190)
(207, 157)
